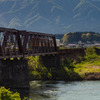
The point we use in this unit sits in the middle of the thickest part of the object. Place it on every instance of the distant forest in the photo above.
(74, 37)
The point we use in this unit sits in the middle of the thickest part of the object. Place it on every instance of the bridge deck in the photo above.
(35, 54)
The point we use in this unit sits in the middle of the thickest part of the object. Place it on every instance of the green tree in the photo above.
(84, 37)
(90, 53)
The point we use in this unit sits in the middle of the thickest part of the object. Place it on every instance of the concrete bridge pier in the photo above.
(51, 61)
(14, 73)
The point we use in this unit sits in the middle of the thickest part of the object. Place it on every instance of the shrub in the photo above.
(68, 63)
(91, 53)
(6, 94)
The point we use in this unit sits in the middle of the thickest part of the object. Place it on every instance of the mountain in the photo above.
(51, 16)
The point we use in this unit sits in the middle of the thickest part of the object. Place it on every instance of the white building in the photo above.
(58, 42)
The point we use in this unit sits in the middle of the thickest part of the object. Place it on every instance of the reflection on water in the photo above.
(84, 90)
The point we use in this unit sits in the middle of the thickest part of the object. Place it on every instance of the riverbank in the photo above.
(86, 67)
(88, 72)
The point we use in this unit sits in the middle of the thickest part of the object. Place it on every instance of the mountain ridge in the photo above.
(51, 16)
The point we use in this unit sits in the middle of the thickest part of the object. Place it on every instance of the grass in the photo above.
(91, 64)
(63, 47)
(82, 69)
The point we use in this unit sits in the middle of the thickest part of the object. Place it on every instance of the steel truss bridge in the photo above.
(18, 43)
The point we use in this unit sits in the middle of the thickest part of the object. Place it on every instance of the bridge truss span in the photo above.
(17, 43)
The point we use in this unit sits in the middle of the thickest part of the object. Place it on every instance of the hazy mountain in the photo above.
(51, 16)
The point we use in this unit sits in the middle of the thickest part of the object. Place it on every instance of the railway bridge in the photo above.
(17, 43)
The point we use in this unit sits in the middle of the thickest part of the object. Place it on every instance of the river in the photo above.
(60, 90)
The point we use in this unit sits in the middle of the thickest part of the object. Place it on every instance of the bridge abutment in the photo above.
(14, 73)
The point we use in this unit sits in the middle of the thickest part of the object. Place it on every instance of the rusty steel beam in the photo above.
(19, 43)
(4, 43)
(23, 43)
(23, 31)
(55, 45)
(7, 29)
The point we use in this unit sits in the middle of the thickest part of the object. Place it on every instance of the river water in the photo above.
(60, 90)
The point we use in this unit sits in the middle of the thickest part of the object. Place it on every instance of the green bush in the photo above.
(6, 94)
(68, 63)
(90, 51)
(91, 54)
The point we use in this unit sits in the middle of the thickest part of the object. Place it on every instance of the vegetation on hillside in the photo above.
(74, 37)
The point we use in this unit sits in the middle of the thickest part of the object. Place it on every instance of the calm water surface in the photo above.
(84, 90)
